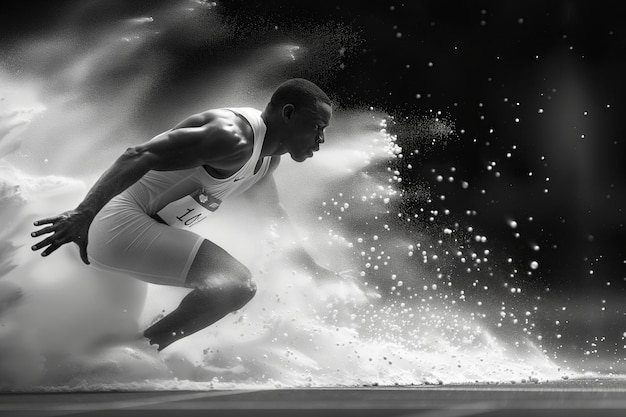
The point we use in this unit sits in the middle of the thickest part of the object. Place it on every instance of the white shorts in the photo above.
(126, 239)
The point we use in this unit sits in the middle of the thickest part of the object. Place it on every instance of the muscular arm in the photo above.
(218, 143)
(182, 148)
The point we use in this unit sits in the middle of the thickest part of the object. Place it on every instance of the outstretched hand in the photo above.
(70, 226)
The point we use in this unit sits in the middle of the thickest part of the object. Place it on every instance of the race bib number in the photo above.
(189, 210)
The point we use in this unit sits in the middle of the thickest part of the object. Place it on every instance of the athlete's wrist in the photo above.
(86, 210)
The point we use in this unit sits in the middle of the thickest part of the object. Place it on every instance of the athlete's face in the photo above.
(307, 131)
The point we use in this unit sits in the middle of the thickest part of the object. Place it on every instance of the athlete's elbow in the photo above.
(139, 156)
(130, 154)
(134, 152)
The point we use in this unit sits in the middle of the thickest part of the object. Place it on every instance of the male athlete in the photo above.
(178, 177)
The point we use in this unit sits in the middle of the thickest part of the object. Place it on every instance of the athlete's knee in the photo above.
(231, 288)
(234, 287)
(243, 288)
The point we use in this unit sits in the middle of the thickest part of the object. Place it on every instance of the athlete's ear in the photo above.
(287, 112)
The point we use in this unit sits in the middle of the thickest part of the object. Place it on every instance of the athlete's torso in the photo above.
(157, 189)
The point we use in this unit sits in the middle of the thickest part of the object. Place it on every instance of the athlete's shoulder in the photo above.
(224, 137)
(223, 120)
(221, 126)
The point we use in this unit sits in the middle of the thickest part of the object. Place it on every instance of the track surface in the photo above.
(572, 398)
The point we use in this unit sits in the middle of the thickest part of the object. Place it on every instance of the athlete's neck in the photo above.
(272, 144)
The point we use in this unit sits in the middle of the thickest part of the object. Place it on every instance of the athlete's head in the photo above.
(305, 111)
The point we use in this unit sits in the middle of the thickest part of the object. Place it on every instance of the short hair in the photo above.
(300, 93)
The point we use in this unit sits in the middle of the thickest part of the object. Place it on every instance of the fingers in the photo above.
(51, 249)
(51, 244)
(48, 220)
(46, 242)
(83, 253)
(64, 228)
(43, 231)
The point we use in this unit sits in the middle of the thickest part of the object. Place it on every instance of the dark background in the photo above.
(494, 62)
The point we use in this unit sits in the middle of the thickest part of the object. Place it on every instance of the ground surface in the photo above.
(585, 397)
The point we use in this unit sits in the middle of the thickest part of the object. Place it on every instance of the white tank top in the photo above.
(158, 189)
